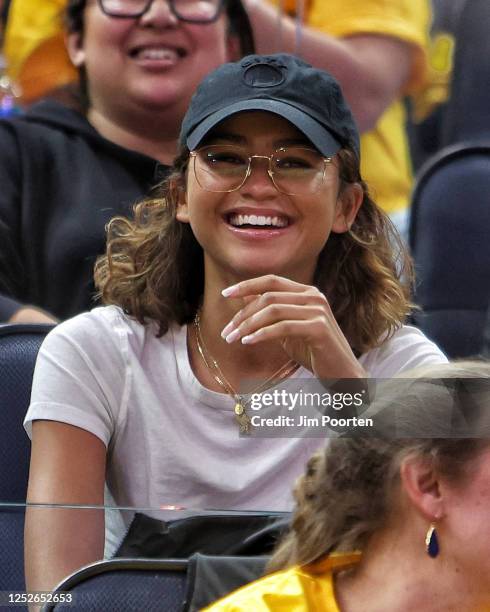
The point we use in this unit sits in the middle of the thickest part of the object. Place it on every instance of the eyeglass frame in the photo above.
(326, 162)
(171, 4)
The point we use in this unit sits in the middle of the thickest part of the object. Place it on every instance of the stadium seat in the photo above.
(19, 345)
(449, 228)
(467, 114)
(152, 585)
(486, 337)
(125, 585)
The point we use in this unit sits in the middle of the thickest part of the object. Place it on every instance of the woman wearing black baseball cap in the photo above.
(262, 258)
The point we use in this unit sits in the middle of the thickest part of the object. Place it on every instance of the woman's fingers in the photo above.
(261, 293)
(261, 302)
(292, 329)
(258, 318)
(257, 286)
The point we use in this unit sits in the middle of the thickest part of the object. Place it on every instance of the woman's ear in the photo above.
(75, 48)
(421, 484)
(182, 213)
(349, 201)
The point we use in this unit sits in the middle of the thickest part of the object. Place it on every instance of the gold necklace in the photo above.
(241, 415)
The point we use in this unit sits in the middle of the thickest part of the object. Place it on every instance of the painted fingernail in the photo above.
(233, 336)
(228, 329)
(229, 291)
(248, 339)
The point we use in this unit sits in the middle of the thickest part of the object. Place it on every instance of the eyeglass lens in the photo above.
(293, 170)
(198, 11)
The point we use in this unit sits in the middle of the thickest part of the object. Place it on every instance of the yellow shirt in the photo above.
(34, 47)
(309, 588)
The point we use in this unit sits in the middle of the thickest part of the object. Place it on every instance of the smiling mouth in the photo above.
(157, 53)
(257, 221)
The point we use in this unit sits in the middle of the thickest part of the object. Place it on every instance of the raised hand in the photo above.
(300, 318)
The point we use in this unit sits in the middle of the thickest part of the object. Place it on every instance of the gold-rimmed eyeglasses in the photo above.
(293, 170)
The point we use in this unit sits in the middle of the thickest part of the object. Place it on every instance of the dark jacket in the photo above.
(60, 183)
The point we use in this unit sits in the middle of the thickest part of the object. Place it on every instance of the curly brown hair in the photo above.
(154, 270)
(351, 488)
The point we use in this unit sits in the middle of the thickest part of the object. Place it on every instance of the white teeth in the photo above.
(238, 220)
(157, 54)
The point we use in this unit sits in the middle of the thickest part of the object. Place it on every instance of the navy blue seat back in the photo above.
(467, 115)
(125, 585)
(450, 242)
(19, 345)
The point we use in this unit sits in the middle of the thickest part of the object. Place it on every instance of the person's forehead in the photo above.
(255, 123)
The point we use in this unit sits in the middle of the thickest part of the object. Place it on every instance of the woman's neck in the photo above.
(396, 573)
(145, 134)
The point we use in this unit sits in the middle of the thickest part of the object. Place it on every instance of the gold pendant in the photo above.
(242, 418)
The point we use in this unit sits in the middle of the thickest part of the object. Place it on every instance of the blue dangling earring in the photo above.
(431, 542)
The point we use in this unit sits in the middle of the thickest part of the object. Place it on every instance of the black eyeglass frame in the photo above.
(171, 3)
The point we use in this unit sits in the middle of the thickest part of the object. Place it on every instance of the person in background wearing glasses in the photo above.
(65, 173)
(262, 258)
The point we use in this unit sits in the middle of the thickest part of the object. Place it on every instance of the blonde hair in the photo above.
(349, 488)
(154, 270)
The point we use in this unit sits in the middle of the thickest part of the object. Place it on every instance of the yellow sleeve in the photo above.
(34, 46)
(406, 20)
(291, 589)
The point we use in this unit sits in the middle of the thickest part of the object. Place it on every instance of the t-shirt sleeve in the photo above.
(408, 348)
(406, 20)
(80, 376)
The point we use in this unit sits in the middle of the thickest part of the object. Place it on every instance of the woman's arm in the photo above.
(372, 69)
(31, 314)
(67, 467)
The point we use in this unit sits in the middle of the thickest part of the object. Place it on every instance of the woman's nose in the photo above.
(259, 183)
(159, 14)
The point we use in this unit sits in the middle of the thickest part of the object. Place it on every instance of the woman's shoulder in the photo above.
(406, 349)
(108, 335)
(89, 364)
(110, 324)
(82, 376)
(295, 588)
(103, 319)
(281, 590)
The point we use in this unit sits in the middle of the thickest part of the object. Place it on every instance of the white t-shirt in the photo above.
(171, 441)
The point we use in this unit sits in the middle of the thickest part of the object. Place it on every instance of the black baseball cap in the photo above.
(283, 84)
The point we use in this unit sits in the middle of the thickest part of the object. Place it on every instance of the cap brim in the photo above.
(319, 135)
